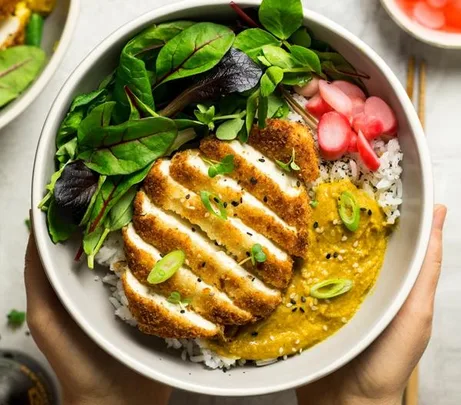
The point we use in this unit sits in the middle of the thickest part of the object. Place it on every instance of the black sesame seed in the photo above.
(328, 256)
(199, 280)
(216, 199)
(303, 299)
(216, 243)
(316, 225)
(261, 160)
(302, 310)
(249, 234)
(241, 200)
(225, 205)
(253, 181)
(335, 255)
(370, 212)
(193, 229)
(294, 309)
(254, 333)
(293, 301)
(253, 279)
(283, 174)
(235, 203)
(265, 199)
(182, 311)
(248, 254)
(203, 264)
(298, 184)
(235, 215)
(187, 196)
(363, 209)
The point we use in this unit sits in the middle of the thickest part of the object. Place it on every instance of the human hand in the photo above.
(87, 374)
(380, 374)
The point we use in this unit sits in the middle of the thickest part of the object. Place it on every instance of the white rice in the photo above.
(384, 185)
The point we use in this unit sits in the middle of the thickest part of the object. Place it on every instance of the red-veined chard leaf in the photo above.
(128, 147)
(195, 50)
(19, 66)
(235, 73)
(74, 190)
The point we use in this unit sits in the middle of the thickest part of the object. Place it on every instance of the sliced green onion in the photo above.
(210, 199)
(314, 203)
(34, 30)
(331, 288)
(166, 267)
(349, 211)
(16, 318)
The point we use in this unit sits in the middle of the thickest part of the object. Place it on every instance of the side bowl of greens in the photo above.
(33, 70)
(81, 109)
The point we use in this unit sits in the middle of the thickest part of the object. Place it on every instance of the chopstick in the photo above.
(411, 392)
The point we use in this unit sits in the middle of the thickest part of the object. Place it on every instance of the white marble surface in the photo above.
(441, 366)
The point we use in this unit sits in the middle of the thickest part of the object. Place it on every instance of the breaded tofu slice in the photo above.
(190, 170)
(13, 25)
(205, 299)
(280, 138)
(263, 178)
(156, 316)
(167, 232)
(231, 233)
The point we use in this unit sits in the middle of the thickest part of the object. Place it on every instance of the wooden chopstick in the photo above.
(411, 392)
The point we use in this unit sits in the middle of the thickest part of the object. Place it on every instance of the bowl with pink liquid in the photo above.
(436, 22)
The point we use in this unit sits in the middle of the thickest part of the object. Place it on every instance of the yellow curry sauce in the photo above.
(334, 252)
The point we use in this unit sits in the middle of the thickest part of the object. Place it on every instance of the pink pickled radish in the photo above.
(336, 98)
(429, 16)
(310, 89)
(378, 108)
(349, 89)
(367, 154)
(333, 133)
(437, 3)
(358, 106)
(317, 106)
(371, 127)
(352, 142)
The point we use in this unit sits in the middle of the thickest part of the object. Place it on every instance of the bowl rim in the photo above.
(440, 39)
(33, 91)
(41, 232)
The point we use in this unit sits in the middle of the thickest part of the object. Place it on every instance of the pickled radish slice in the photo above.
(349, 89)
(317, 106)
(371, 127)
(367, 154)
(336, 98)
(352, 142)
(358, 106)
(429, 16)
(437, 3)
(378, 108)
(333, 133)
(310, 89)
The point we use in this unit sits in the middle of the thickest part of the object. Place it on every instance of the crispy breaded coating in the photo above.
(278, 140)
(206, 300)
(7, 7)
(14, 26)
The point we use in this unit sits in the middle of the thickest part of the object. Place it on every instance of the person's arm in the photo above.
(87, 374)
(380, 374)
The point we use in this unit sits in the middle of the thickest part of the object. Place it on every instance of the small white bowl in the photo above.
(441, 39)
(87, 300)
(58, 30)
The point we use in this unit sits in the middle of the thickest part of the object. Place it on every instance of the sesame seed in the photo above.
(182, 311)
(355, 265)
(235, 203)
(193, 229)
(254, 333)
(182, 200)
(335, 255)
(301, 309)
(303, 299)
(314, 308)
(281, 350)
(316, 301)
(298, 183)
(249, 234)
(342, 251)
(294, 309)
(271, 338)
(344, 320)
(325, 328)
(225, 205)
(261, 160)
(203, 264)
(253, 181)
(335, 222)
(187, 196)
(293, 301)
(340, 258)
(207, 215)
(297, 342)
(356, 243)
(285, 357)
(300, 351)
(289, 305)
(344, 238)
(328, 256)
(316, 225)
(370, 212)
(319, 230)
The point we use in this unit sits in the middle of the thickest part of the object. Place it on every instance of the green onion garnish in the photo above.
(257, 255)
(291, 165)
(166, 267)
(349, 211)
(210, 199)
(225, 166)
(175, 298)
(314, 203)
(16, 318)
(331, 288)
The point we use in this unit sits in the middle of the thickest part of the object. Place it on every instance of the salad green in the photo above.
(175, 82)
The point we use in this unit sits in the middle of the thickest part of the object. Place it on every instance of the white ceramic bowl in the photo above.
(87, 301)
(441, 39)
(58, 29)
